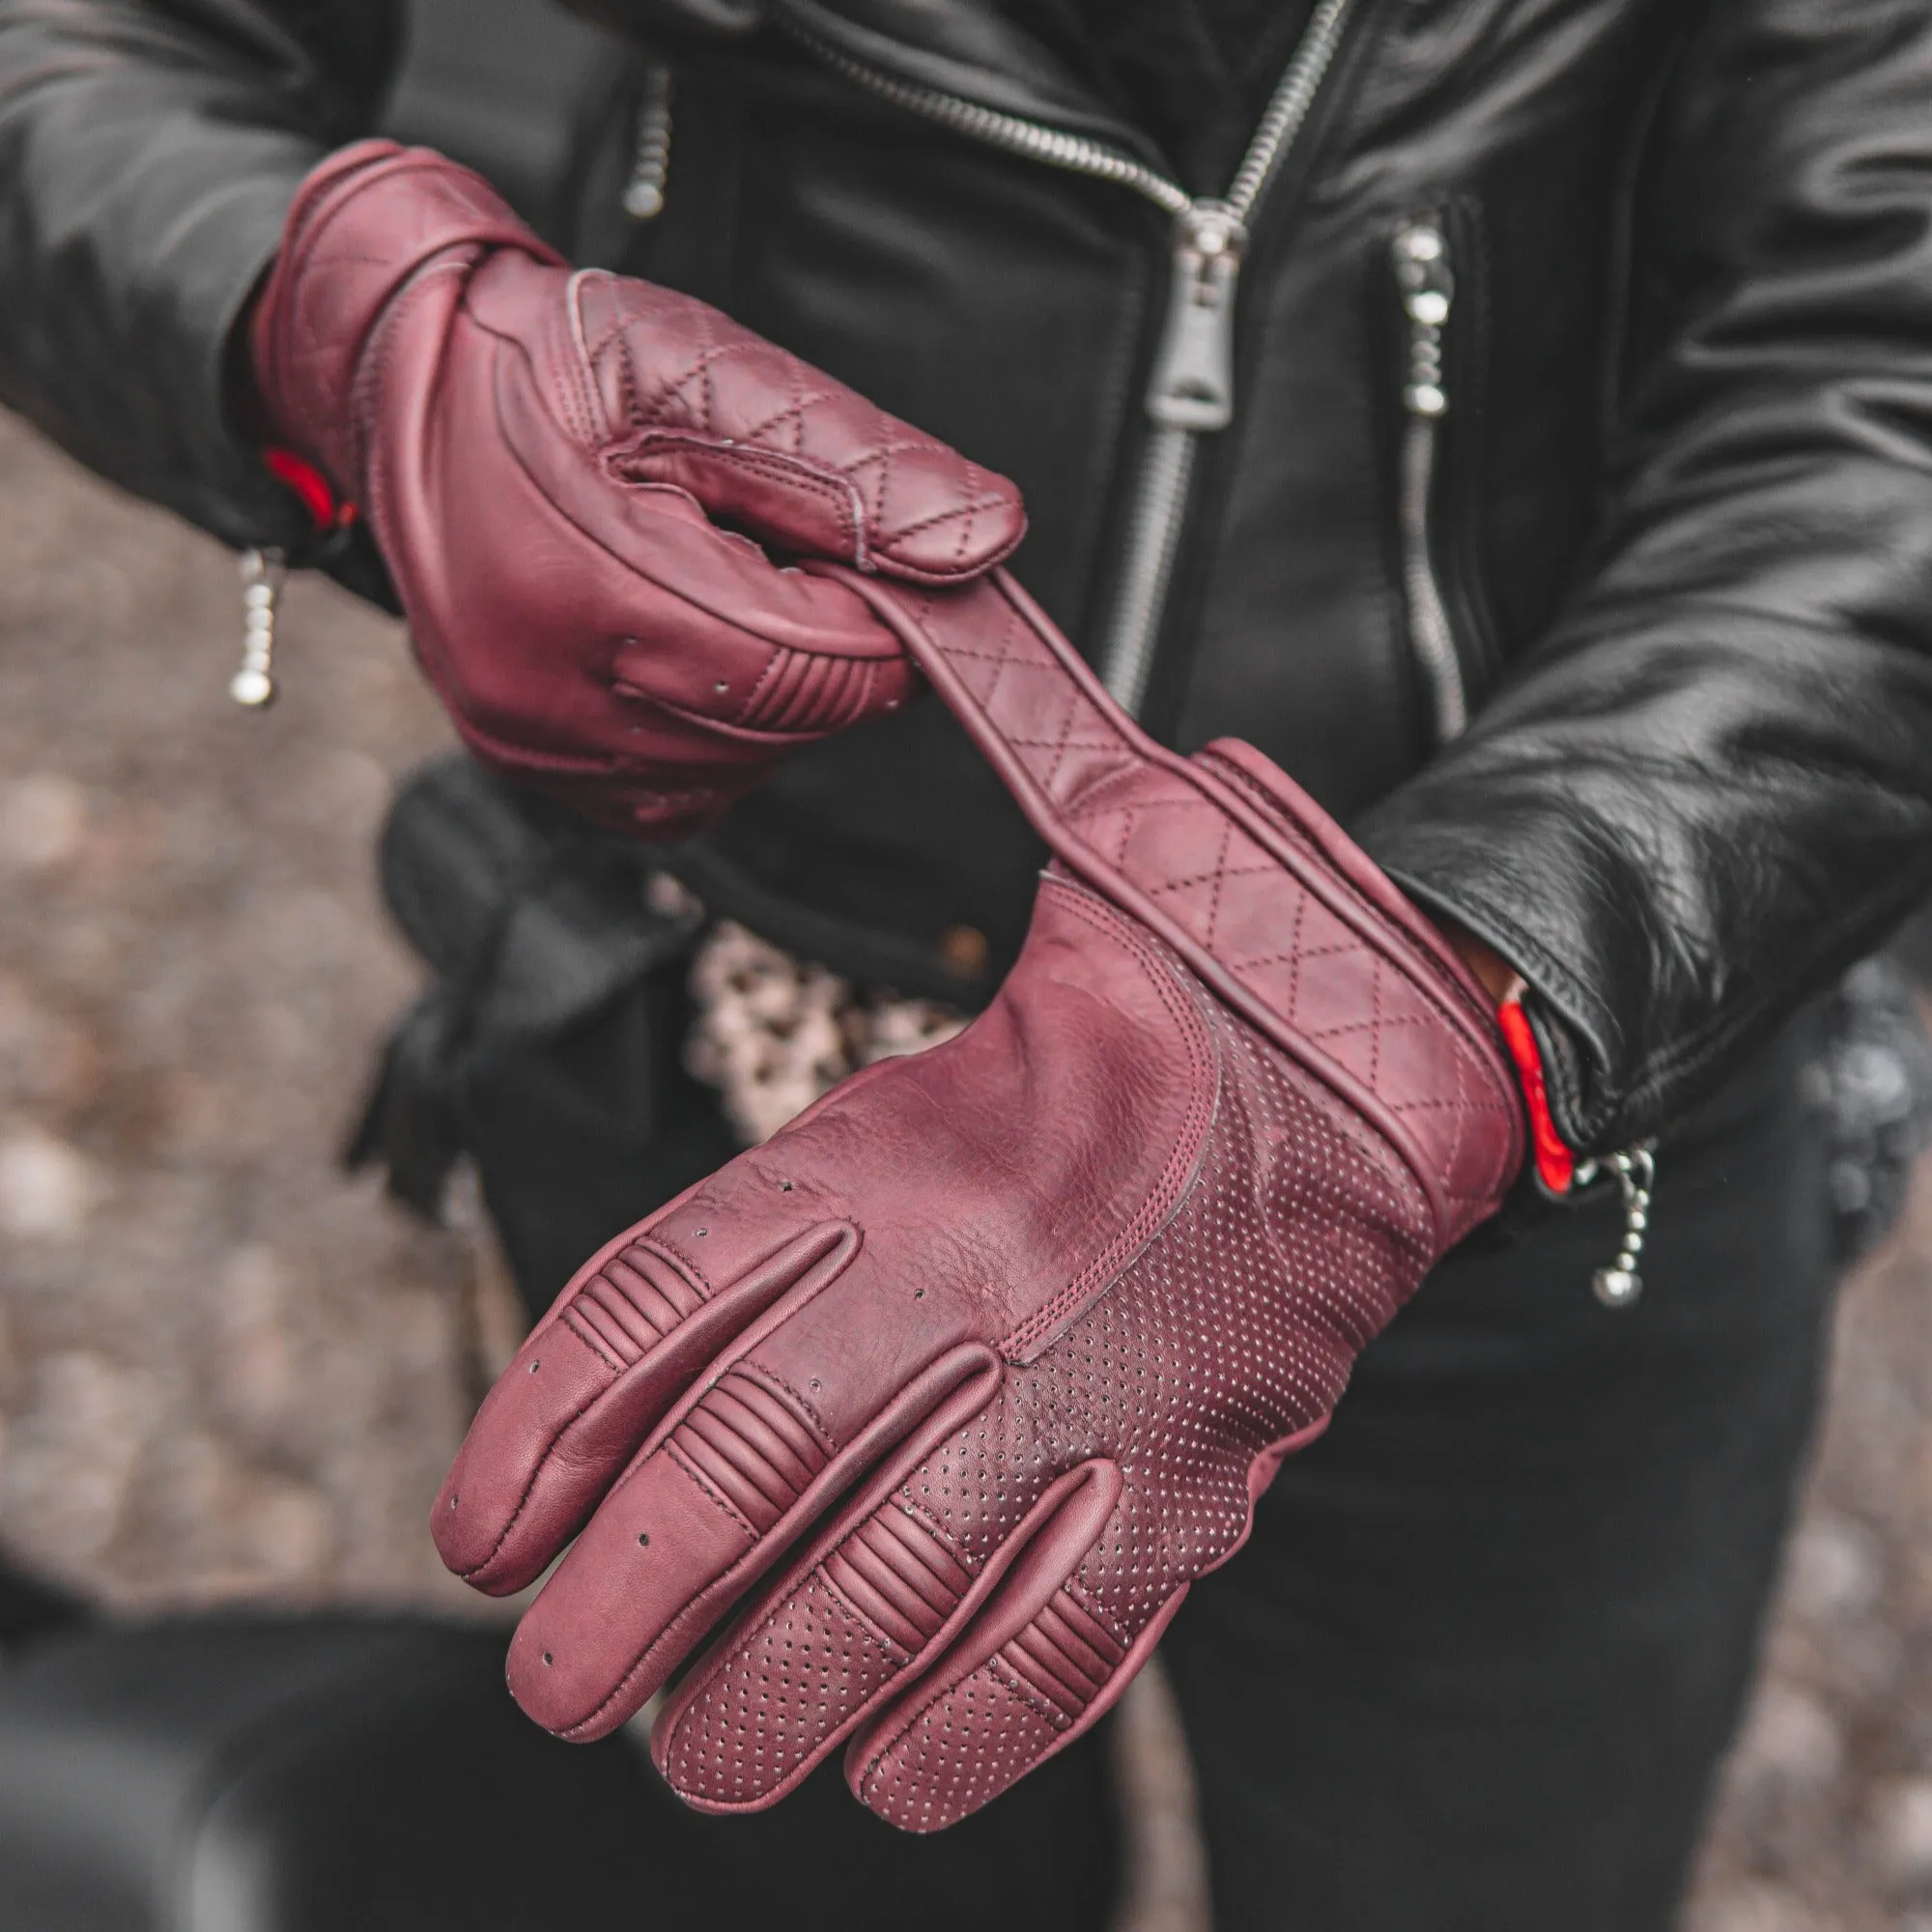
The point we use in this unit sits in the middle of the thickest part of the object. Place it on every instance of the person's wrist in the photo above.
(363, 224)
(1497, 976)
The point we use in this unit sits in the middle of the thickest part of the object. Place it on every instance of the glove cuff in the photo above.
(363, 225)
(1228, 861)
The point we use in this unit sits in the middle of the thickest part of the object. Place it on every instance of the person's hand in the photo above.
(564, 474)
(975, 1367)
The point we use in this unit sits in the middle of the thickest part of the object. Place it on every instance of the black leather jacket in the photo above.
(1631, 464)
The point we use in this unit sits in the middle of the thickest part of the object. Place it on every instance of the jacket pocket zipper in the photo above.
(1425, 276)
(643, 196)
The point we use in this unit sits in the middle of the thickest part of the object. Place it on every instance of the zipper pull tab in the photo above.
(1193, 382)
(1428, 287)
(644, 197)
(263, 573)
(1636, 1168)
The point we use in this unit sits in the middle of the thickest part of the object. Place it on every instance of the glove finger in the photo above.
(691, 398)
(662, 799)
(1019, 1687)
(621, 1343)
(726, 1485)
(883, 1602)
(724, 657)
(965, 1735)
(703, 597)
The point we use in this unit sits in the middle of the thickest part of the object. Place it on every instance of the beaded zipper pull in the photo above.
(1636, 1168)
(263, 575)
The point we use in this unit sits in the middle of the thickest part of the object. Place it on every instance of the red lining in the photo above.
(1556, 1164)
(311, 486)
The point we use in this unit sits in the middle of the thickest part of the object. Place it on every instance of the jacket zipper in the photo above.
(644, 197)
(1426, 276)
(1191, 390)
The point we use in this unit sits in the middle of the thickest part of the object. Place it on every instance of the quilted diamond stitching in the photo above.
(1248, 888)
(897, 474)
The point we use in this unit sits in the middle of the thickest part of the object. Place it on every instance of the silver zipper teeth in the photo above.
(644, 197)
(1161, 490)
(1426, 276)
(1307, 69)
(1191, 392)
(1034, 141)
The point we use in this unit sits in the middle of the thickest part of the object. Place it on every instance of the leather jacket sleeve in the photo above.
(149, 151)
(1709, 788)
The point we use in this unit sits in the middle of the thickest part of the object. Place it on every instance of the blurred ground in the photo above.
(227, 1370)
(223, 1368)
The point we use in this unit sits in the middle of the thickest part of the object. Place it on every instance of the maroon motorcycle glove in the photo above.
(954, 1386)
(560, 472)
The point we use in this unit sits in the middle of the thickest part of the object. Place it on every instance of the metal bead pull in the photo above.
(1427, 285)
(644, 197)
(1636, 1168)
(263, 575)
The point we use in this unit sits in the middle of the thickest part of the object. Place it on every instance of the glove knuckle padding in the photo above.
(617, 1350)
(1034, 1315)
(558, 468)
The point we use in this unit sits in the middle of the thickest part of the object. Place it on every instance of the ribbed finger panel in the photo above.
(609, 1326)
(899, 1575)
(630, 1305)
(1064, 1656)
(885, 1610)
(802, 692)
(916, 1554)
(751, 1446)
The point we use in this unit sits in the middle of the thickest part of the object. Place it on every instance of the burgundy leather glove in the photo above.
(540, 455)
(973, 1369)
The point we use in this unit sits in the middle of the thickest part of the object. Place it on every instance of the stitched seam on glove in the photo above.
(1058, 819)
(1169, 1190)
(795, 471)
(706, 1489)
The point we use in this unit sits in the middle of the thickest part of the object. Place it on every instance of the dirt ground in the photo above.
(227, 1370)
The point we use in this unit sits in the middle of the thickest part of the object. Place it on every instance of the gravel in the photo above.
(226, 1370)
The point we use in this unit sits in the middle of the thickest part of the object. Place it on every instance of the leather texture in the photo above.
(560, 469)
(1682, 510)
(974, 1367)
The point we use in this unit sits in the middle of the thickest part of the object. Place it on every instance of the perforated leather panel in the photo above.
(1259, 890)
(1235, 1328)
(1028, 1321)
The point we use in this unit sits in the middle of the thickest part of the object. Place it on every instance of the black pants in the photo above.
(1475, 1669)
